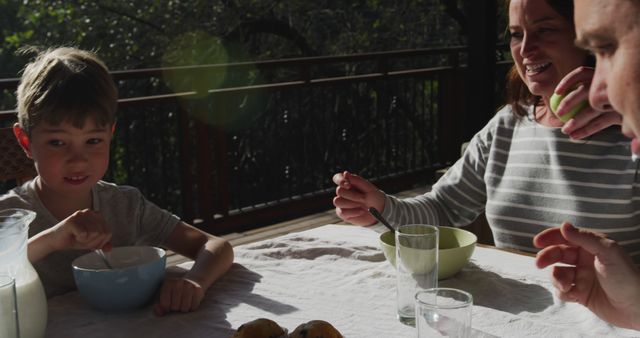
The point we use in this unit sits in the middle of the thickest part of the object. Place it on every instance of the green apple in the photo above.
(555, 101)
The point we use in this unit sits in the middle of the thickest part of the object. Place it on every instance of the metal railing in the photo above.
(234, 146)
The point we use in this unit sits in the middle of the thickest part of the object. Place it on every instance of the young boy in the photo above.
(66, 117)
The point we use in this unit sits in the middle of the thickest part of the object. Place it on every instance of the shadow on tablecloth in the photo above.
(491, 290)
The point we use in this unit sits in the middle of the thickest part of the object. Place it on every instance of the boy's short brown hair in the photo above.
(66, 84)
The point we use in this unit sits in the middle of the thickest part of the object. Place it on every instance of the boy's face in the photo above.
(611, 30)
(70, 160)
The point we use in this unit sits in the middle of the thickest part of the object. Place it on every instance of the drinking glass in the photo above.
(8, 308)
(416, 266)
(443, 312)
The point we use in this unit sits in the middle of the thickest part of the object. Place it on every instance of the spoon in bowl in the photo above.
(375, 213)
(104, 258)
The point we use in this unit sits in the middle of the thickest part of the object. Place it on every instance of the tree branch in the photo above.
(451, 8)
(132, 17)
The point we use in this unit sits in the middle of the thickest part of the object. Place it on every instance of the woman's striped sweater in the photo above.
(528, 177)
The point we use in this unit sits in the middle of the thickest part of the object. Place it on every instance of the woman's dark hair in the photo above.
(517, 91)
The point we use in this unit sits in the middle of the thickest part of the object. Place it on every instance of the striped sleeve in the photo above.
(457, 198)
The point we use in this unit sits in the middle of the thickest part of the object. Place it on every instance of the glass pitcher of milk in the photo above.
(32, 303)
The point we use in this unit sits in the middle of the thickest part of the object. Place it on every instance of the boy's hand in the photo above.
(178, 295)
(84, 229)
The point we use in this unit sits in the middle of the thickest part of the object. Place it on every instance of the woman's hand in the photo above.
(588, 121)
(599, 275)
(354, 197)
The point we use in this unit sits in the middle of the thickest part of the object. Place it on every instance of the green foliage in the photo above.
(277, 144)
(140, 34)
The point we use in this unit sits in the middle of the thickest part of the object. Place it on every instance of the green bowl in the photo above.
(455, 248)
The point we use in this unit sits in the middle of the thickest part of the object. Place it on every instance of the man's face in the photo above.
(611, 30)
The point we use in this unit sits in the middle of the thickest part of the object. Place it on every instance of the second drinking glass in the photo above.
(8, 308)
(443, 312)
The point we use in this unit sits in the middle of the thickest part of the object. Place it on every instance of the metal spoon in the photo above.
(373, 211)
(104, 258)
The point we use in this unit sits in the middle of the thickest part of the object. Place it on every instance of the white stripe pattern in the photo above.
(590, 184)
(563, 197)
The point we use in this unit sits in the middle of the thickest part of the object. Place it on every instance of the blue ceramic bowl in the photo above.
(137, 273)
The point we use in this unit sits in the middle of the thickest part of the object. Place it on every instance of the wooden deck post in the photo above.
(481, 77)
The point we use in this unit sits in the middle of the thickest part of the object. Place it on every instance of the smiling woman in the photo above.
(541, 42)
(521, 169)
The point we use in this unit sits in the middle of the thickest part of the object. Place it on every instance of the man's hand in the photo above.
(599, 275)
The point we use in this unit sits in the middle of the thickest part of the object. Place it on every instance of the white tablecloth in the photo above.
(337, 273)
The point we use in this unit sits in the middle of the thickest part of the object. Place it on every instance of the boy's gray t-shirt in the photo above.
(133, 221)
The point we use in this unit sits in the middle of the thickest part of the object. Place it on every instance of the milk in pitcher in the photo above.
(31, 299)
(32, 312)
